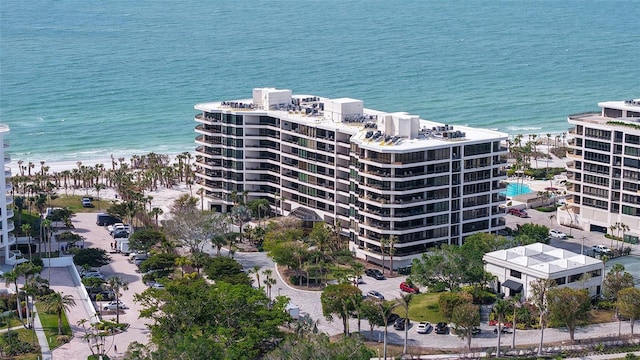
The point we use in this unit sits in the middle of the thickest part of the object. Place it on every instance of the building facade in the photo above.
(604, 171)
(7, 239)
(516, 268)
(391, 182)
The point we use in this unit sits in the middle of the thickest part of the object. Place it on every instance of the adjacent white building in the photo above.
(516, 268)
(380, 177)
(604, 171)
(7, 239)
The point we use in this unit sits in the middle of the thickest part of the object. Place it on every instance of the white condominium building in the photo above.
(604, 171)
(378, 176)
(7, 239)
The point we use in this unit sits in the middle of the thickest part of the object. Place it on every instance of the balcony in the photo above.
(9, 200)
(10, 226)
(573, 156)
(7, 171)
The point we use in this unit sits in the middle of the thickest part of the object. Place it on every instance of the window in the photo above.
(516, 274)
(561, 281)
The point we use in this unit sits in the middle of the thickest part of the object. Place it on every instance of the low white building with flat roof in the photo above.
(516, 268)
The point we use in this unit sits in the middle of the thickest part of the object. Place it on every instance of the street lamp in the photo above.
(279, 291)
(582, 248)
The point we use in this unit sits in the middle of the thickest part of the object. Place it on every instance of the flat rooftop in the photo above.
(542, 258)
(362, 127)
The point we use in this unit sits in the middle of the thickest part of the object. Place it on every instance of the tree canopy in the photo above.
(236, 322)
(145, 239)
(92, 257)
(569, 307)
(225, 269)
(338, 300)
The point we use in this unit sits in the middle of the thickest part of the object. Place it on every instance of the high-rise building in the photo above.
(388, 181)
(7, 239)
(604, 170)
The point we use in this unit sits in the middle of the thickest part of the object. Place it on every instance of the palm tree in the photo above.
(155, 212)
(256, 270)
(58, 303)
(11, 277)
(515, 303)
(386, 309)
(500, 308)
(392, 250)
(26, 229)
(358, 270)
(115, 283)
(269, 281)
(98, 187)
(539, 298)
(218, 241)
(182, 261)
(383, 243)
(405, 301)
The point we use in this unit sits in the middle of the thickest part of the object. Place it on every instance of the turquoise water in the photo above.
(86, 79)
(515, 189)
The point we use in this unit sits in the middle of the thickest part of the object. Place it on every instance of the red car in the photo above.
(518, 212)
(410, 288)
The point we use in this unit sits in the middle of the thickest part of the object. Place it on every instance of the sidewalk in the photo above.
(42, 338)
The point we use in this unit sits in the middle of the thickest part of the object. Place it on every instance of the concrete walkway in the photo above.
(42, 338)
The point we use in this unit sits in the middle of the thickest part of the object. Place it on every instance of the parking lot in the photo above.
(309, 301)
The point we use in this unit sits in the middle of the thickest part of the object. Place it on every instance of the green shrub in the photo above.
(63, 339)
(438, 287)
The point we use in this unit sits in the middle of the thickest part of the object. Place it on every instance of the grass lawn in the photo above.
(28, 337)
(424, 307)
(73, 202)
(50, 326)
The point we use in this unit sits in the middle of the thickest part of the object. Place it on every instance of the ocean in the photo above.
(82, 80)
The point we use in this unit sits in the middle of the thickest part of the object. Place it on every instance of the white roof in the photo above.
(541, 258)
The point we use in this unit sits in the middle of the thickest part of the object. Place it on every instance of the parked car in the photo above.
(441, 328)
(424, 327)
(121, 234)
(115, 306)
(375, 294)
(106, 295)
(408, 287)
(103, 219)
(374, 273)
(155, 285)
(504, 330)
(355, 280)
(400, 323)
(86, 202)
(91, 273)
(118, 227)
(476, 331)
(518, 212)
(600, 249)
(557, 234)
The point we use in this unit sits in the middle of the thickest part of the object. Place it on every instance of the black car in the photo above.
(120, 234)
(400, 323)
(441, 328)
(374, 273)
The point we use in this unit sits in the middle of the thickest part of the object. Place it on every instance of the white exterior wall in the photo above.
(6, 240)
(284, 151)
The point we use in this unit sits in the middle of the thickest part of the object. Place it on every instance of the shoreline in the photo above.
(58, 166)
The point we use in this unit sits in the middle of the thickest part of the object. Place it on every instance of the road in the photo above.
(307, 301)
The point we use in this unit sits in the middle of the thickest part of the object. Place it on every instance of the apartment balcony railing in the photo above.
(573, 156)
(10, 225)
(9, 200)
(7, 171)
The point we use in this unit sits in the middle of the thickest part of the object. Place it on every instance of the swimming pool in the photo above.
(515, 189)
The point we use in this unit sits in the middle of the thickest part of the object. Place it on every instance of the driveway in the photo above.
(307, 301)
